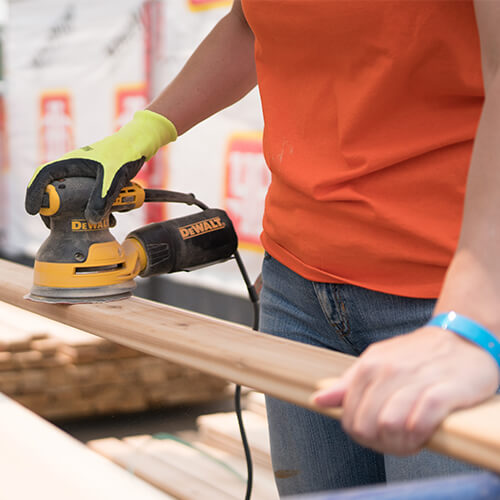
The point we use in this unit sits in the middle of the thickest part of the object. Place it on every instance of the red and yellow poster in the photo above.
(55, 126)
(247, 180)
(128, 100)
(4, 159)
(197, 5)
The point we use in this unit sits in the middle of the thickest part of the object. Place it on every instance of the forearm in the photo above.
(219, 73)
(472, 285)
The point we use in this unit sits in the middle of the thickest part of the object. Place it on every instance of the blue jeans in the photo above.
(310, 452)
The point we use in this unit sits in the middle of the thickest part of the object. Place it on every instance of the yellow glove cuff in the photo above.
(147, 132)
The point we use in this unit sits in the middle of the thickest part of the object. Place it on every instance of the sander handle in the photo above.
(132, 196)
(162, 195)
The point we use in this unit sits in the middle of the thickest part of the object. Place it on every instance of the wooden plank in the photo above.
(264, 485)
(13, 339)
(6, 362)
(255, 401)
(221, 430)
(288, 370)
(189, 469)
(167, 477)
(40, 461)
(191, 462)
(34, 327)
(47, 347)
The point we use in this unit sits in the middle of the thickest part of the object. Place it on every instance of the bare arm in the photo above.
(220, 72)
(401, 389)
(472, 285)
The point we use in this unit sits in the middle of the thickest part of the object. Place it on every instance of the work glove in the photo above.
(113, 161)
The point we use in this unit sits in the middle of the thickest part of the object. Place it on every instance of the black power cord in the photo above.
(254, 298)
(161, 195)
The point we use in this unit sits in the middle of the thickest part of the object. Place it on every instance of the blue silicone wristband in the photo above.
(469, 330)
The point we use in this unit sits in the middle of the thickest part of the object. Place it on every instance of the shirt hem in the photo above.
(417, 291)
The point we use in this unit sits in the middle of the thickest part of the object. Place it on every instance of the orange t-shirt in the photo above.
(370, 111)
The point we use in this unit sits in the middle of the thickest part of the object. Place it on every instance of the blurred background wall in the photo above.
(74, 72)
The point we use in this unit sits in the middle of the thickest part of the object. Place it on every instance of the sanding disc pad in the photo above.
(94, 295)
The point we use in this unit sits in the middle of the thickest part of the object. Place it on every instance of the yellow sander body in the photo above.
(82, 262)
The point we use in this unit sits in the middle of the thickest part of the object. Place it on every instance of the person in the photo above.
(371, 111)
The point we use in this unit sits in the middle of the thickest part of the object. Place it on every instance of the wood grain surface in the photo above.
(39, 461)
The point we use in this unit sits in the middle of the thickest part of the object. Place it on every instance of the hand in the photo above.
(112, 161)
(401, 389)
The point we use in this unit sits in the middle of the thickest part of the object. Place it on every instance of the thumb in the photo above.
(334, 394)
(98, 205)
(106, 189)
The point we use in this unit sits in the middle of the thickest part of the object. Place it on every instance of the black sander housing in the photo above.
(187, 243)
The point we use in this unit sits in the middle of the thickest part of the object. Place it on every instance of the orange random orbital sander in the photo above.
(81, 262)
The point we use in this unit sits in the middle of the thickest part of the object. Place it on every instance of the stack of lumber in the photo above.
(61, 372)
(256, 402)
(220, 430)
(207, 464)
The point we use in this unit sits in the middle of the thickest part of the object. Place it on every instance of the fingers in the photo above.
(392, 422)
(98, 205)
(432, 407)
(400, 390)
(397, 420)
(334, 395)
(362, 417)
(34, 192)
(380, 400)
(109, 182)
(102, 198)
(412, 415)
(356, 392)
(57, 170)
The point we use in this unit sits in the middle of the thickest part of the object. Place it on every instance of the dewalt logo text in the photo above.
(202, 227)
(79, 225)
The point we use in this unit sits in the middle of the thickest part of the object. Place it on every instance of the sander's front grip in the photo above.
(186, 243)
